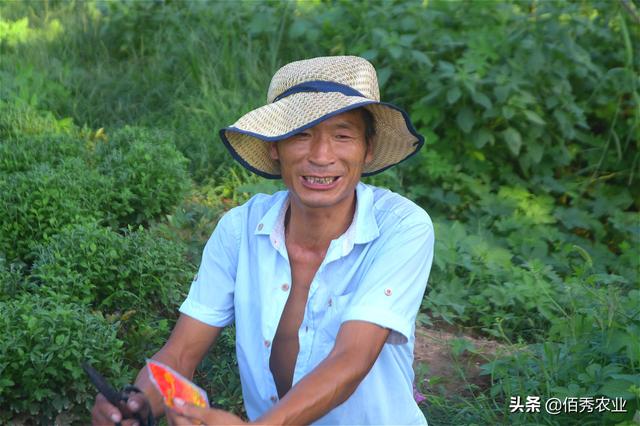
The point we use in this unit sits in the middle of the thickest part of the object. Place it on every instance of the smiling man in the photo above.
(323, 281)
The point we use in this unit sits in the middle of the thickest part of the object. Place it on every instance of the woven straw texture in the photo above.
(393, 140)
(351, 71)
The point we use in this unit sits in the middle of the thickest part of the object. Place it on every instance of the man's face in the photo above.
(322, 165)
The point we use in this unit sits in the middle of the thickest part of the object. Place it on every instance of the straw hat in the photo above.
(304, 93)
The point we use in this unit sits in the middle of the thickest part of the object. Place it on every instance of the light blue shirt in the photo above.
(376, 271)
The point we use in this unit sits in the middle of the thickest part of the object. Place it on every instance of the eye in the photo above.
(344, 137)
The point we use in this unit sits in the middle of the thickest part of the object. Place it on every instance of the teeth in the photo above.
(319, 180)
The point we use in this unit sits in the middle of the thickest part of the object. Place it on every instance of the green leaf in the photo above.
(5, 383)
(421, 58)
(513, 139)
(298, 28)
(481, 99)
(618, 388)
(482, 137)
(534, 118)
(370, 54)
(446, 68)
(461, 345)
(565, 123)
(634, 379)
(501, 93)
(574, 218)
(508, 112)
(536, 60)
(383, 75)
(465, 119)
(395, 52)
(453, 95)
(535, 150)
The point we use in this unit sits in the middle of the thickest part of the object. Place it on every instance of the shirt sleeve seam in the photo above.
(215, 318)
(382, 317)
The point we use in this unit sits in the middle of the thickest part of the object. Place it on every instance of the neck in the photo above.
(315, 228)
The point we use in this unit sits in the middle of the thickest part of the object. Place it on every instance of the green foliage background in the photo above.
(112, 179)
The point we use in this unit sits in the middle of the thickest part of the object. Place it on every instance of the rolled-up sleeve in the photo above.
(210, 298)
(391, 291)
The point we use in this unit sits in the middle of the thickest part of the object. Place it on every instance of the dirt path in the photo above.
(452, 360)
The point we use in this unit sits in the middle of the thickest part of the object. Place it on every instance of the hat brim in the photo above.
(394, 141)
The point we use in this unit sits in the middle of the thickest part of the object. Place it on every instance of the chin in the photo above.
(318, 202)
(323, 199)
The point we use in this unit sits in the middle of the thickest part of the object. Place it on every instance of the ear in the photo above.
(368, 157)
(273, 151)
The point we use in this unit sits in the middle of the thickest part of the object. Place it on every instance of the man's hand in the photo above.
(189, 342)
(187, 414)
(105, 413)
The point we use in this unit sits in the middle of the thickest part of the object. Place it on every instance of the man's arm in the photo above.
(357, 347)
(189, 342)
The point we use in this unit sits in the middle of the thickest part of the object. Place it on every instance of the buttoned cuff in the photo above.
(215, 318)
(401, 329)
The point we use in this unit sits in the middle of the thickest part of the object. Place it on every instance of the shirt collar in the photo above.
(363, 228)
(364, 220)
(275, 215)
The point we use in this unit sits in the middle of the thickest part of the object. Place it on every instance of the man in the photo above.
(323, 281)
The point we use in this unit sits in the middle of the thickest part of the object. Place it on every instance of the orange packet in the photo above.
(172, 384)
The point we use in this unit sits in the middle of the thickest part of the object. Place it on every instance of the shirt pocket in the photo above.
(332, 320)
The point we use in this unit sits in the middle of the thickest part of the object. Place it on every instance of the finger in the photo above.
(189, 410)
(104, 412)
(137, 402)
(175, 419)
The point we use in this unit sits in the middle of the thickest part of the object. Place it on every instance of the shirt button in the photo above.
(267, 343)
(330, 302)
(260, 227)
(387, 292)
(275, 243)
(285, 287)
(273, 398)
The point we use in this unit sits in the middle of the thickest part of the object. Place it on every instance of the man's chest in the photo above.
(303, 268)
(286, 343)
(271, 284)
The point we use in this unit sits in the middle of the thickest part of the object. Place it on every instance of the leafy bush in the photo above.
(218, 373)
(24, 152)
(44, 342)
(149, 174)
(592, 350)
(11, 279)
(137, 279)
(40, 202)
(50, 180)
(93, 265)
(20, 120)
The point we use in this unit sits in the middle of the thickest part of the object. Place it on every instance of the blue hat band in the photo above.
(319, 86)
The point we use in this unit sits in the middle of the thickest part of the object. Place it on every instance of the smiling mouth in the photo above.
(320, 180)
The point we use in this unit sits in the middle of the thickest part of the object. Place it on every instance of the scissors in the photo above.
(118, 399)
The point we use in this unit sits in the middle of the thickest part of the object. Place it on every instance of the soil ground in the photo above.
(451, 371)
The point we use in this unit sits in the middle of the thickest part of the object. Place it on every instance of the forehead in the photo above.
(350, 119)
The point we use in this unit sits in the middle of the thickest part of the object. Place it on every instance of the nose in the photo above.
(321, 150)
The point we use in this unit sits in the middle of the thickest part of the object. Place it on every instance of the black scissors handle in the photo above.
(113, 396)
